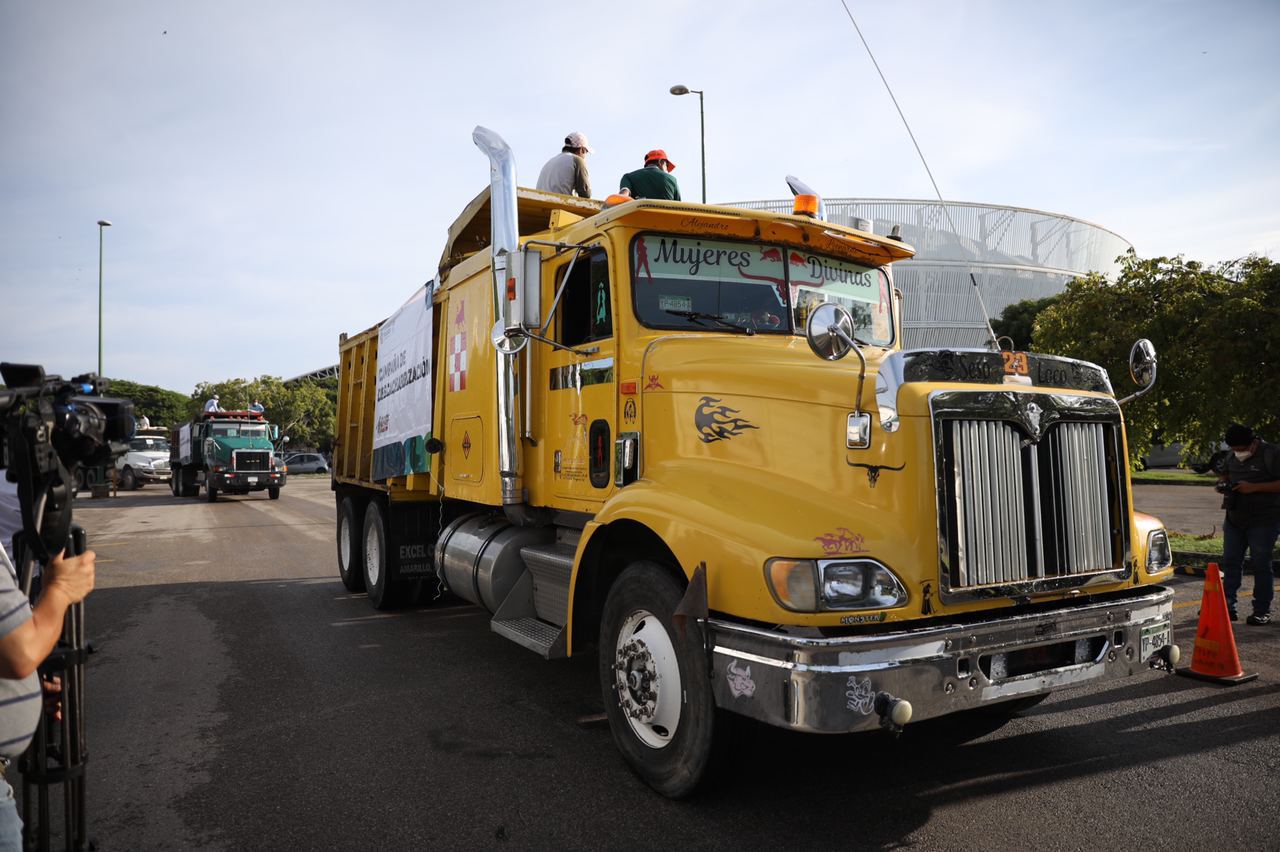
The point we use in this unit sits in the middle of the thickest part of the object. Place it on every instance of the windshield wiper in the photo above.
(698, 316)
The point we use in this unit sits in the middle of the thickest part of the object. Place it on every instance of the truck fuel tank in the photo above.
(478, 556)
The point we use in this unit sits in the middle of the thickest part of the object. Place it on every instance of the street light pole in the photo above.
(102, 223)
(702, 131)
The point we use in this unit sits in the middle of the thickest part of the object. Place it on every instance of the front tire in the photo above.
(273, 492)
(128, 479)
(350, 552)
(655, 683)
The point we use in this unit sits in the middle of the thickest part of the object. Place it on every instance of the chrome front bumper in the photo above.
(831, 685)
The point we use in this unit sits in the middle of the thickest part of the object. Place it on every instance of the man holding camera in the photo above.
(27, 636)
(1249, 481)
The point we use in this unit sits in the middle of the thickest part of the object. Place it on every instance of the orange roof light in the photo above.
(806, 205)
(617, 198)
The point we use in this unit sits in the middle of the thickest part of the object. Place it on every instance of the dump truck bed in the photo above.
(357, 387)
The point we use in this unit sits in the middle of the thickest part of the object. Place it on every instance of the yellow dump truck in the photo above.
(630, 428)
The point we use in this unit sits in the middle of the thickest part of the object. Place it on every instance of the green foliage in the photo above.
(303, 410)
(162, 407)
(1018, 321)
(1216, 330)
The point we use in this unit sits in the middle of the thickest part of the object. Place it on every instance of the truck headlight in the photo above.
(859, 584)
(805, 585)
(1159, 554)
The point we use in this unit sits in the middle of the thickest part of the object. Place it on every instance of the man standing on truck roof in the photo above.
(1250, 485)
(654, 180)
(566, 172)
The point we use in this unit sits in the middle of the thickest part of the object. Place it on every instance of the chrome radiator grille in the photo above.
(1016, 510)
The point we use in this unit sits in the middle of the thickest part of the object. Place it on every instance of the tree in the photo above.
(1216, 330)
(161, 407)
(1018, 321)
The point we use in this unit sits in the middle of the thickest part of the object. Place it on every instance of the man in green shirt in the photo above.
(654, 180)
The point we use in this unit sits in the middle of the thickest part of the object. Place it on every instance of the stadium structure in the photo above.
(1014, 253)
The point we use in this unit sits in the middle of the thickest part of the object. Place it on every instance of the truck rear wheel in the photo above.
(173, 482)
(211, 493)
(350, 552)
(382, 592)
(655, 683)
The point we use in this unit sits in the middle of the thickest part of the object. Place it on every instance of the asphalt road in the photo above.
(240, 698)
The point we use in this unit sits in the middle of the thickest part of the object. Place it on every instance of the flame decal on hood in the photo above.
(718, 422)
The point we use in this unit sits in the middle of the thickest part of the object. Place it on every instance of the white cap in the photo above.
(578, 140)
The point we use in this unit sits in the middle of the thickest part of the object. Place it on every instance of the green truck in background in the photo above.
(230, 452)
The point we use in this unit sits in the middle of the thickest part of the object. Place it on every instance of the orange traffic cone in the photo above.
(1215, 658)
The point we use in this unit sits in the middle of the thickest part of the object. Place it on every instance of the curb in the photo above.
(1194, 564)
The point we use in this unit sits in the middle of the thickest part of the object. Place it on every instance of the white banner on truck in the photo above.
(184, 442)
(403, 406)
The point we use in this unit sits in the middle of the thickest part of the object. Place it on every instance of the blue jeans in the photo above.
(10, 822)
(1259, 539)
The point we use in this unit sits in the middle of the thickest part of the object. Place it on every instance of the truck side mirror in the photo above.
(528, 263)
(1142, 368)
(275, 432)
(826, 321)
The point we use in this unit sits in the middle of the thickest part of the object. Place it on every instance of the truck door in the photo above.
(582, 386)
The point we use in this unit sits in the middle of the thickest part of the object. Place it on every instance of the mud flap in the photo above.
(411, 540)
(694, 606)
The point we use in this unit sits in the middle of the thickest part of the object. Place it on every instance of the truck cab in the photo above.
(146, 461)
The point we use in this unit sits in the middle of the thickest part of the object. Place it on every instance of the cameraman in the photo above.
(1249, 481)
(27, 636)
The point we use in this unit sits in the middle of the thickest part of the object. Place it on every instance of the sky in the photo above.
(279, 173)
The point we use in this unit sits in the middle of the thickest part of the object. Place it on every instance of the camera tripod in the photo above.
(57, 753)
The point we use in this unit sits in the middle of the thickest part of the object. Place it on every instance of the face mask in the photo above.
(1242, 456)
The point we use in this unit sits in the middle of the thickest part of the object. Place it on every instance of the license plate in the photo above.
(1154, 637)
(253, 480)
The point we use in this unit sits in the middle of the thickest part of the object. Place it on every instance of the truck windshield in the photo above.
(862, 290)
(149, 445)
(683, 282)
(689, 283)
(239, 430)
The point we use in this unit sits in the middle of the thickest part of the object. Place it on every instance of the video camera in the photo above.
(49, 428)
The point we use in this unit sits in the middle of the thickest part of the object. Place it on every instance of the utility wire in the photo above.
(995, 343)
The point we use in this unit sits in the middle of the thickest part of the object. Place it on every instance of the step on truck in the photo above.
(228, 452)
(686, 438)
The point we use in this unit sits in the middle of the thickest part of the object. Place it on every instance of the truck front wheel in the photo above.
(273, 492)
(350, 553)
(128, 479)
(654, 680)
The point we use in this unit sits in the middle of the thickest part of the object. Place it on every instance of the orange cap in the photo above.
(659, 154)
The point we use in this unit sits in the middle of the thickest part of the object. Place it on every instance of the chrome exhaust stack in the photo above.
(505, 244)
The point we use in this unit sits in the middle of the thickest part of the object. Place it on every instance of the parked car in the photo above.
(307, 463)
(146, 461)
